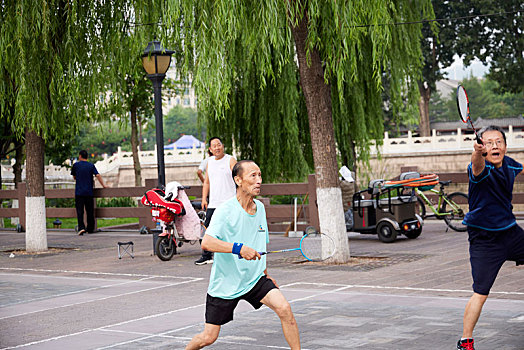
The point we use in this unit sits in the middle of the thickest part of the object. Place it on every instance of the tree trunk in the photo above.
(36, 235)
(318, 102)
(19, 161)
(139, 121)
(134, 147)
(423, 107)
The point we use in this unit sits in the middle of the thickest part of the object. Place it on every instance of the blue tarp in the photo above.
(185, 142)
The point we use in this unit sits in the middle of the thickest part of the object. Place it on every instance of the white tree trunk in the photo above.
(35, 230)
(332, 222)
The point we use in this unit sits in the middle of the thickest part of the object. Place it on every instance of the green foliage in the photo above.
(288, 199)
(245, 74)
(60, 202)
(100, 202)
(265, 125)
(116, 202)
(438, 43)
(105, 137)
(498, 40)
(179, 121)
(56, 53)
(241, 55)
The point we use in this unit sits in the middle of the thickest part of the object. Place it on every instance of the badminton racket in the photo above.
(314, 246)
(463, 109)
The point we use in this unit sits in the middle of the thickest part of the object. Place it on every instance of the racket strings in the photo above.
(317, 247)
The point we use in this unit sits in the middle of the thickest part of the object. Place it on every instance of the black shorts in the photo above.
(489, 250)
(220, 311)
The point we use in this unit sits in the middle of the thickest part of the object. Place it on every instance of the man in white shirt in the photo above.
(218, 185)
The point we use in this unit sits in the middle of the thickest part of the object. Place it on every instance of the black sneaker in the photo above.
(203, 261)
(465, 344)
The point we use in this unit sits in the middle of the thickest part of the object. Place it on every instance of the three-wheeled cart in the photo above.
(385, 212)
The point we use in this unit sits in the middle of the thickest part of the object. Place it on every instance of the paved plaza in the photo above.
(406, 295)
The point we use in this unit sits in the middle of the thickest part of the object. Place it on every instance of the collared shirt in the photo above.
(490, 195)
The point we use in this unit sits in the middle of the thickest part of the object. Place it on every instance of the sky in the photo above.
(457, 71)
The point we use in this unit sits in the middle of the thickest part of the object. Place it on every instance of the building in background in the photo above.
(186, 96)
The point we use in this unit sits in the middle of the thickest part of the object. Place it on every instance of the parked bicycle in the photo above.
(449, 207)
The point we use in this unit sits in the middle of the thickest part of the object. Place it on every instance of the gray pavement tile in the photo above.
(84, 297)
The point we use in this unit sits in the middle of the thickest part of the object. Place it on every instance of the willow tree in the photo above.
(56, 52)
(341, 47)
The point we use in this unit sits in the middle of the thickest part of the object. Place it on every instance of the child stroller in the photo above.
(175, 224)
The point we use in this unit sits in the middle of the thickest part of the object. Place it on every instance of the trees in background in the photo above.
(59, 55)
(338, 51)
(485, 102)
(495, 40)
(491, 31)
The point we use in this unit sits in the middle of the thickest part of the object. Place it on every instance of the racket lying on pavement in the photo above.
(314, 246)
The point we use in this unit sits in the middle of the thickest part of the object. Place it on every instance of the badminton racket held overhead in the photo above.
(463, 109)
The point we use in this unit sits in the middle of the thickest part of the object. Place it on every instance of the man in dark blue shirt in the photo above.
(83, 172)
(494, 236)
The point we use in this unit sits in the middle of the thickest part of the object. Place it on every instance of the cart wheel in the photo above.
(164, 250)
(386, 232)
(413, 234)
(19, 228)
(144, 230)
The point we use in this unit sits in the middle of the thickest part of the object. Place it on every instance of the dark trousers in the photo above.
(209, 214)
(87, 203)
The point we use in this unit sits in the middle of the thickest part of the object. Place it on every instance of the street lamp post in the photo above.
(156, 61)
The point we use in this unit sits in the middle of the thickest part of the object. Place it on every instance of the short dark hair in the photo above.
(493, 128)
(238, 169)
(83, 154)
(215, 138)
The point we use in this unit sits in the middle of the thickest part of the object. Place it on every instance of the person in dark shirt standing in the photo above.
(83, 172)
(494, 235)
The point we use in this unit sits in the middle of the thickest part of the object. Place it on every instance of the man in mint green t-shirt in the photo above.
(237, 232)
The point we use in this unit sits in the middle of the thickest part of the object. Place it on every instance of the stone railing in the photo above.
(121, 158)
(454, 142)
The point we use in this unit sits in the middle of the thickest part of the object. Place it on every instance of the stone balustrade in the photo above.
(174, 156)
(455, 142)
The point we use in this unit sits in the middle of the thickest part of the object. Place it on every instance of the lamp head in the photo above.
(156, 59)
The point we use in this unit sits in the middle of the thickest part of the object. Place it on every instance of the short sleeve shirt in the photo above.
(203, 164)
(232, 277)
(490, 195)
(84, 172)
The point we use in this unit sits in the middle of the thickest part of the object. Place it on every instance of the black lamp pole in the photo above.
(156, 61)
(156, 79)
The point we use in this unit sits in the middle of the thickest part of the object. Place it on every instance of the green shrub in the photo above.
(116, 202)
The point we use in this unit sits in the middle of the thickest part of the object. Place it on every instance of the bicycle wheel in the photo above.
(420, 208)
(457, 211)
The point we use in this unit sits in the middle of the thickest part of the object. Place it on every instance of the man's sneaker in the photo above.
(465, 344)
(203, 261)
(81, 232)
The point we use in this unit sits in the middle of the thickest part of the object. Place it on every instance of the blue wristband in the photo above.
(236, 248)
